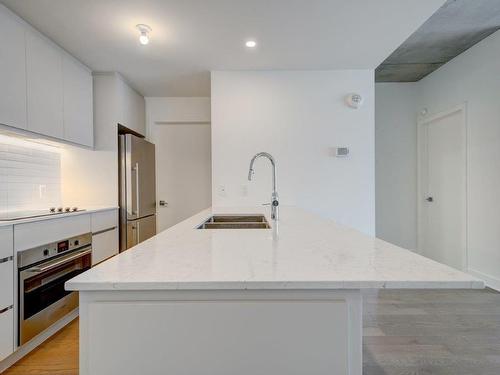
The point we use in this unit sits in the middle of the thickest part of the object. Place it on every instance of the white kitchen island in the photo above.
(280, 301)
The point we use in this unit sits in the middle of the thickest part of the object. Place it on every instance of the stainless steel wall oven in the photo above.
(42, 272)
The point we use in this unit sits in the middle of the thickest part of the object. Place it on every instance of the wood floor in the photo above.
(405, 333)
(56, 356)
(432, 332)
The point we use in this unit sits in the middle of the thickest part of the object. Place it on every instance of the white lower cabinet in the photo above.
(104, 235)
(104, 245)
(6, 292)
(6, 283)
(7, 332)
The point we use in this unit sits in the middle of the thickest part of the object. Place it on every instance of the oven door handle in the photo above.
(61, 261)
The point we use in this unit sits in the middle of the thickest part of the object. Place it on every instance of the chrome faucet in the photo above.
(274, 195)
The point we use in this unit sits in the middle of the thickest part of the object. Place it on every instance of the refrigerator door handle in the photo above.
(138, 233)
(135, 240)
(137, 192)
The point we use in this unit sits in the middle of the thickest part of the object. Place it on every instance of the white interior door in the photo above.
(183, 170)
(443, 189)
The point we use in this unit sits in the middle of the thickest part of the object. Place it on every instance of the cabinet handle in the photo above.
(103, 231)
(6, 309)
(8, 259)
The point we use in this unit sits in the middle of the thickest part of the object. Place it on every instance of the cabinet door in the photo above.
(78, 117)
(6, 242)
(12, 71)
(6, 292)
(104, 245)
(131, 108)
(6, 283)
(45, 87)
(7, 333)
(103, 220)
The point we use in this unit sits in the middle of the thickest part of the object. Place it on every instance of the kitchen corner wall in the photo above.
(299, 117)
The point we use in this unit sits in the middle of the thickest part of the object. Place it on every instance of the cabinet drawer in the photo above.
(6, 284)
(42, 232)
(6, 242)
(7, 333)
(104, 220)
(104, 245)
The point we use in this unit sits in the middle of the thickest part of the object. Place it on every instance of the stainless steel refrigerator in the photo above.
(137, 190)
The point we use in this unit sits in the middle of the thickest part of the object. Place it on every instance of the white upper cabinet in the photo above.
(78, 114)
(131, 108)
(12, 71)
(44, 86)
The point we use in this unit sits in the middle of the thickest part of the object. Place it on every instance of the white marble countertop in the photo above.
(86, 211)
(303, 251)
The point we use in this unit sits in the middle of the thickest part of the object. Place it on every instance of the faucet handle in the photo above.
(266, 204)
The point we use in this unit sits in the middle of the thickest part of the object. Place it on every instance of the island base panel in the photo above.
(221, 332)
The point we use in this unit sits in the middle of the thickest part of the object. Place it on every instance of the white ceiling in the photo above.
(192, 37)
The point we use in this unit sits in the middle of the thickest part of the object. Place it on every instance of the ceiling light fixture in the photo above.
(144, 30)
(251, 43)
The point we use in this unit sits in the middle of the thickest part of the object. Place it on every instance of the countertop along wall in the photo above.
(299, 117)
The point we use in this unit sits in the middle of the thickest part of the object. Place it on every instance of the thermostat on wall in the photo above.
(341, 152)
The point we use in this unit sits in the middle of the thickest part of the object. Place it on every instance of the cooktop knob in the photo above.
(75, 209)
(52, 209)
(67, 209)
(59, 209)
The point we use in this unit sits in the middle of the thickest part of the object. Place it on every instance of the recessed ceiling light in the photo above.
(144, 36)
(251, 43)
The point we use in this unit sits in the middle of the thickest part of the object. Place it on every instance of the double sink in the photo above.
(235, 222)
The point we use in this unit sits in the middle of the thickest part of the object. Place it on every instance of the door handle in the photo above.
(429, 199)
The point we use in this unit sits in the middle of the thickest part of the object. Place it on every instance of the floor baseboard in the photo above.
(490, 281)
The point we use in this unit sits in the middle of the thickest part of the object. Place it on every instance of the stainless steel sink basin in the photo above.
(236, 222)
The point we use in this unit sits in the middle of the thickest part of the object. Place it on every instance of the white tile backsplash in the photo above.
(30, 175)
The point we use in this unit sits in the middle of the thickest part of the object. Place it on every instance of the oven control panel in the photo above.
(40, 253)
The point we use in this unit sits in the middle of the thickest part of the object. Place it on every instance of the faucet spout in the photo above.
(274, 194)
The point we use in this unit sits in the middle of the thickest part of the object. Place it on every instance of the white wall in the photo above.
(30, 175)
(299, 117)
(396, 163)
(474, 78)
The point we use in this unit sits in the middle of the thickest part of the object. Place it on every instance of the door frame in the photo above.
(422, 121)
